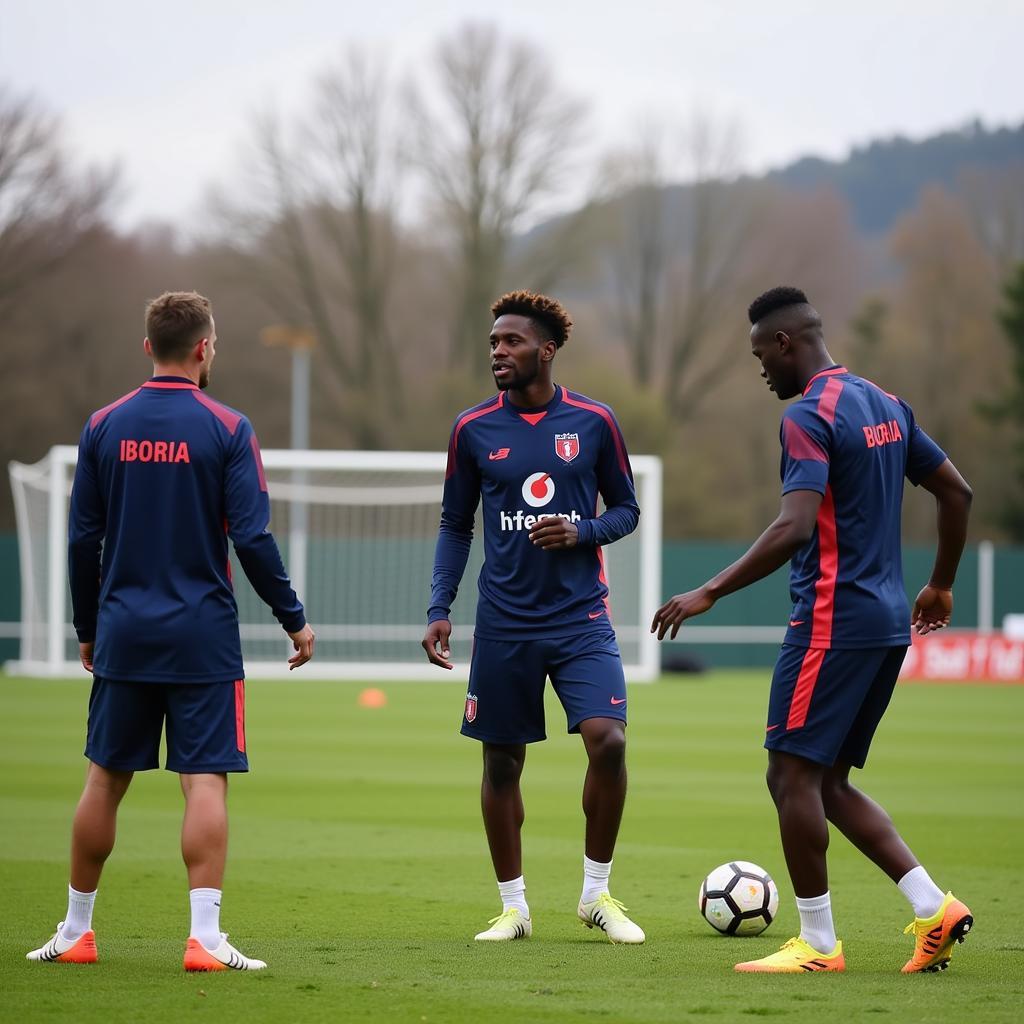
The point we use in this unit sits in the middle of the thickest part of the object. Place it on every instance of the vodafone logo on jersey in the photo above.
(538, 489)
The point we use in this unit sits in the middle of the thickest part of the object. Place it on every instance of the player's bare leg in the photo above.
(204, 829)
(92, 839)
(795, 784)
(501, 801)
(865, 823)
(95, 824)
(940, 920)
(604, 789)
(604, 796)
(204, 848)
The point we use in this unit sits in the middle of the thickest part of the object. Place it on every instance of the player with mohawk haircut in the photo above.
(539, 456)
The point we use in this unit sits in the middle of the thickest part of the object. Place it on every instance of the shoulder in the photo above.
(592, 405)
(489, 405)
(231, 419)
(101, 414)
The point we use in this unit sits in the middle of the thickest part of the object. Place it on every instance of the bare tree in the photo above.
(46, 208)
(496, 144)
(316, 234)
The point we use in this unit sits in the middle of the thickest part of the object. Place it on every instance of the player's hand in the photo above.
(554, 534)
(85, 653)
(437, 643)
(674, 612)
(304, 641)
(932, 610)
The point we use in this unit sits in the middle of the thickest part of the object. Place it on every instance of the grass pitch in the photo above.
(358, 867)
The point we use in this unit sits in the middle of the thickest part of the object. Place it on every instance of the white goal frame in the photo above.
(46, 605)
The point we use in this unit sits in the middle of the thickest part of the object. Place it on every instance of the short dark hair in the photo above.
(175, 321)
(548, 313)
(773, 299)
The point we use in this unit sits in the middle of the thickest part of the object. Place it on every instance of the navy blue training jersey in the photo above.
(528, 464)
(165, 476)
(854, 444)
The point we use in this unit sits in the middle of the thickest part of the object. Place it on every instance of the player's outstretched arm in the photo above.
(793, 528)
(934, 605)
(304, 641)
(437, 643)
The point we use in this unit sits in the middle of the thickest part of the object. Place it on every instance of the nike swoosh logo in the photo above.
(594, 615)
(501, 453)
(618, 700)
(770, 727)
(797, 622)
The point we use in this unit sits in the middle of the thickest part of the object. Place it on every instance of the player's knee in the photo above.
(608, 750)
(502, 768)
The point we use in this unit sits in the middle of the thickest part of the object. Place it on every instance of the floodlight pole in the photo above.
(301, 343)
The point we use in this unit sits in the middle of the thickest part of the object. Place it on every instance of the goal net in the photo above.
(357, 533)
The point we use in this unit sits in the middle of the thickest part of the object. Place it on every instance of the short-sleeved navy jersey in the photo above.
(528, 464)
(854, 444)
(165, 476)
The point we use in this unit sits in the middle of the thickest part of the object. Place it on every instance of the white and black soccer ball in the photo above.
(738, 898)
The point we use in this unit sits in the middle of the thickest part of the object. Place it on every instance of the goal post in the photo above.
(357, 532)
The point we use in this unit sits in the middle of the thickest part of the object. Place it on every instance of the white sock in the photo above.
(513, 894)
(205, 916)
(816, 928)
(78, 919)
(924, 895)
(595, 879)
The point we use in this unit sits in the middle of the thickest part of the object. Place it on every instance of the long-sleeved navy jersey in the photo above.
(854, 444)
(165, 476)
(528, 464)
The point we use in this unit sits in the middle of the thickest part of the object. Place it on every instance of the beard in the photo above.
(520, 379)
(204, 379)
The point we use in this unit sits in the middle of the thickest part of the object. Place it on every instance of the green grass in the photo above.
(358, 866)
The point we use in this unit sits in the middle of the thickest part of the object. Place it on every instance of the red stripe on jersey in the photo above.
(240, 714)
(829, 400)
(810, 668)
(223, 413)
(828, 570)
(830, 372)
(97, 417)
(468, 418)
(799, 444)
(620, 447)
(172, 385)
(255, 446)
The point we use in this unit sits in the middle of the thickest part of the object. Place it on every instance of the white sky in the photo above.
(167, 89)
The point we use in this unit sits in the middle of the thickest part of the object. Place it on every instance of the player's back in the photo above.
(160, 462)
(847, 582)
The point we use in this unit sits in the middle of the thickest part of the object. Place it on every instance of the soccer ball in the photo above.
(738, 898)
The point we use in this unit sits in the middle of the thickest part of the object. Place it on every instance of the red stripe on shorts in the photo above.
(240, 713)
(810, 667)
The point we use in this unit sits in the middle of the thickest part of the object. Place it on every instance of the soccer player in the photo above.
(539, 455)
(165, 476)
(846, 448)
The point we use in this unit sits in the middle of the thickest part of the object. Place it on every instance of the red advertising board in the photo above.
(968, 657)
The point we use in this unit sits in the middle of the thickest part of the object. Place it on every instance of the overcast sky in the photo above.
(167, 89)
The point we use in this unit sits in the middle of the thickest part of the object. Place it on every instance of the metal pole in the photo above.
(986, 586)
(298, 510)
(57, 543)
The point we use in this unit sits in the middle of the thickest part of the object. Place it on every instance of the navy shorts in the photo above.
(505, 703)
(826, 705)
(205, 726)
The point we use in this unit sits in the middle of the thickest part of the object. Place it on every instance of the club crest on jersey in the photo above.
(470, 707)
(567, 446)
